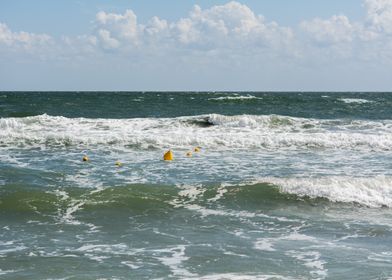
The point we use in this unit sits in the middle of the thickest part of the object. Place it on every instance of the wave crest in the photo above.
(210, 131)
(371, 192)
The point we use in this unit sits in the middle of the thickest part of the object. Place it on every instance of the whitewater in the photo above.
(210, 131)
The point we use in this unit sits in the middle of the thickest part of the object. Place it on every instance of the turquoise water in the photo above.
(286, 185)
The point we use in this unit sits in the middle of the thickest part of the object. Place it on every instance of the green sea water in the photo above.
(285, 186)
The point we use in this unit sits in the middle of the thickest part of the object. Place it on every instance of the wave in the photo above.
(242, 200)
(235, 97)
(355, 100)
(210, 131)
(371, 192)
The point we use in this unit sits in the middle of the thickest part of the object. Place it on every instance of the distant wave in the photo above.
(235, 97)
(210, 131)
(355, 100)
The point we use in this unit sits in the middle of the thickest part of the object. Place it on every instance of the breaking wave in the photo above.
(209, 131)
(355, 100)
(371, 192)
(235, 97)
(67, 203)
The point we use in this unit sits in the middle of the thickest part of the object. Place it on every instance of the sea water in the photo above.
(285, 185)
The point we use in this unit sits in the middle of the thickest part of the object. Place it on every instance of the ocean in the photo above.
(285, 185)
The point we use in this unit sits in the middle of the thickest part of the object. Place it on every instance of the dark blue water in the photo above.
(174, 104)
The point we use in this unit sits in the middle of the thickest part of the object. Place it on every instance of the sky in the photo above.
(177, 45)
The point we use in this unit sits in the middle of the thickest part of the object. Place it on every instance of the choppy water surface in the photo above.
(286, 185)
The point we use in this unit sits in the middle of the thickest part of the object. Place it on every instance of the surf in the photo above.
(215, 131)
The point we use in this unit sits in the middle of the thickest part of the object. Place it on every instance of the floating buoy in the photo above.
(197, 149)
(189, 154)
(85, 158)
(118, 164)
(168, 155)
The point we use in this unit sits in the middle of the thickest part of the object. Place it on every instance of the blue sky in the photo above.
(310, 45)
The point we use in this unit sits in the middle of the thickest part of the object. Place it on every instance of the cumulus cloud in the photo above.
(377, 25)
(379, 15)
(21, 39)
(337, 29)
(235, 27)
(114, 30)
(338, 36)
(232, 25)
(232, 29)
(226, 46)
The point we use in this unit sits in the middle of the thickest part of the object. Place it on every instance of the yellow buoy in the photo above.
(189, 154)
(197, 149)
(118, 164)
(168, 155)
(85, 158)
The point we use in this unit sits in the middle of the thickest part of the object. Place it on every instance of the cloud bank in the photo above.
(220, 37)
(231, 26)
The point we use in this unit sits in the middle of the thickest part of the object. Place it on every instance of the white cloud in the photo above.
(379, 15)
(231, 33)
(116, 29)
(107, 40)
(339, 37)
(232, 25)
(78, 46)
(337, 29)
(156, 26)
(228, 26)
(223, 46)
(21, 39)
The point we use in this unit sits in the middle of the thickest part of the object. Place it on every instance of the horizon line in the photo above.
(197, 91)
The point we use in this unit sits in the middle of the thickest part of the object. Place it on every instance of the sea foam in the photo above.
(371, 192)
(222, 132)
